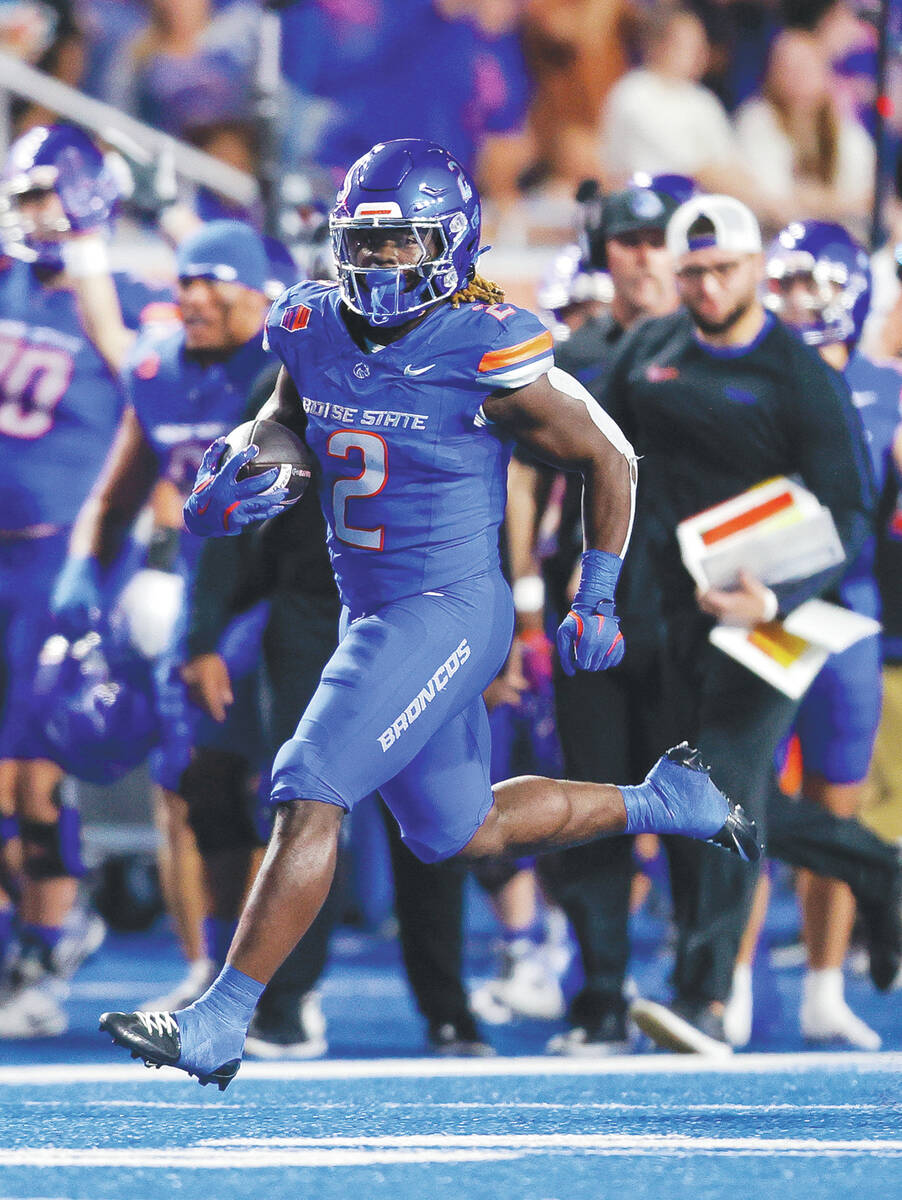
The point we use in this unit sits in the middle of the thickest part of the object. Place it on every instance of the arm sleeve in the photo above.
(834, 464)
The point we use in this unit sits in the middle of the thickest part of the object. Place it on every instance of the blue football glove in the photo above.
(76, 600)
(221, 504)
(589, 637)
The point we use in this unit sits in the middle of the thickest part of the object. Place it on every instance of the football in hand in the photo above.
(278, 447)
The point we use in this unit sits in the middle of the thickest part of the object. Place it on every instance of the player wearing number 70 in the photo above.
(66, 324)
(409, 379)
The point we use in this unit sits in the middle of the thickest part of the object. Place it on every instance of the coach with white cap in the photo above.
(717, 398)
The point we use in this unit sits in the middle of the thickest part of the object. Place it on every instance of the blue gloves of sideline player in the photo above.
(589, 637)
(77, 600)
(221, 504)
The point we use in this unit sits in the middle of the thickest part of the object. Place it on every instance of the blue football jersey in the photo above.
(183, 402)
(876, 389)
(412, 478)
(59, 401)
(144, 303)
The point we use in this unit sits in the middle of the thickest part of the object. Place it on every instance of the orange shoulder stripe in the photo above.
(494, 359)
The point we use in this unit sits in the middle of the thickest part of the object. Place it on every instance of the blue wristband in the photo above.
(598, 577)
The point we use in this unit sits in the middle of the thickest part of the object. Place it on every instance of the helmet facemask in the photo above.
(27, 232)
(422, 274)
(83, 182)
(832, 293)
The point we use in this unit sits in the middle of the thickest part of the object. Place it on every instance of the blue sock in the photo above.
(534, 931)
(213, 1029)
(218, 934)
(675, 799)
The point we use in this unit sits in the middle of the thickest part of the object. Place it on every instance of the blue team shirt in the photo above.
(59, 401)
(183, 402)
(876, 389)
(412, 479)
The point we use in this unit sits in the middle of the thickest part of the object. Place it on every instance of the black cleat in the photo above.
(154, 1038)
(738, 834)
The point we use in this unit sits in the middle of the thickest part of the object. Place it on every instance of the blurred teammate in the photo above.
(183, 386)
(820, 283)
(66, 325)
(409, 379)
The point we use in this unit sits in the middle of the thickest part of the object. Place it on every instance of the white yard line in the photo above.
(232, 1153)
(57, 1074)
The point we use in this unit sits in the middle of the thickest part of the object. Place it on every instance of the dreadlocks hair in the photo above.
(478, 289)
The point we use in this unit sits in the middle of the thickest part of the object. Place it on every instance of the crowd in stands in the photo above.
(533, 95)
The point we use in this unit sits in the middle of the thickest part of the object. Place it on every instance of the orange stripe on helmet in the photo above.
(494, 359)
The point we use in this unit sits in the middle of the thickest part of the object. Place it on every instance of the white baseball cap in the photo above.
(733, 226)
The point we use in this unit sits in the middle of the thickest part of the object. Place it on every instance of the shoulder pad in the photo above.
(143, 302)
(155, 347)
(517, 348)
(292, 311)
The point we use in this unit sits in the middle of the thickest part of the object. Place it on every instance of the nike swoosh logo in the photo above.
(411, 370)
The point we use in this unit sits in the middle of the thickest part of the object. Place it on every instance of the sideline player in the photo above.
(820, 284)
(184, 386)
(66, 325)
(413, 377)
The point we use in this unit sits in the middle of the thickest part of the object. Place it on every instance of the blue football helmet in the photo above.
(572, 280)
(64, 160)
(93, 703)
(679, 187)
(412, 190)
(833, 276)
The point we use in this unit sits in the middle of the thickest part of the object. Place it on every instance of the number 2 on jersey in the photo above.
(370, 482)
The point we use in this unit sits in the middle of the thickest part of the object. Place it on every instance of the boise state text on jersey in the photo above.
(412, 479)
(59, 401)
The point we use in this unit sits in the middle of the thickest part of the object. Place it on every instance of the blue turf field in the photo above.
(815, 1125)
(80, 1121)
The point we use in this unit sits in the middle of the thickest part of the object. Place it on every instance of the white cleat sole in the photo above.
(669, 1031)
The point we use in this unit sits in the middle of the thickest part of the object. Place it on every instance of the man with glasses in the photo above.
(716, 398)
(594, 710)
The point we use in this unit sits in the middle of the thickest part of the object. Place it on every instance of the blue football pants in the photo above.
(399, 709)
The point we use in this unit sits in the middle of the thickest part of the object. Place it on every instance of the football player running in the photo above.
(410, 378)
(67, 324)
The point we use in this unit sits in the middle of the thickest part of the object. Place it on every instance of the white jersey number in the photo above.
(33, 380)
(370, 482)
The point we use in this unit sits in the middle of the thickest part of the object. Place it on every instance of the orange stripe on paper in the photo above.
(514, 354)
(784, 648)
(751, 517)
